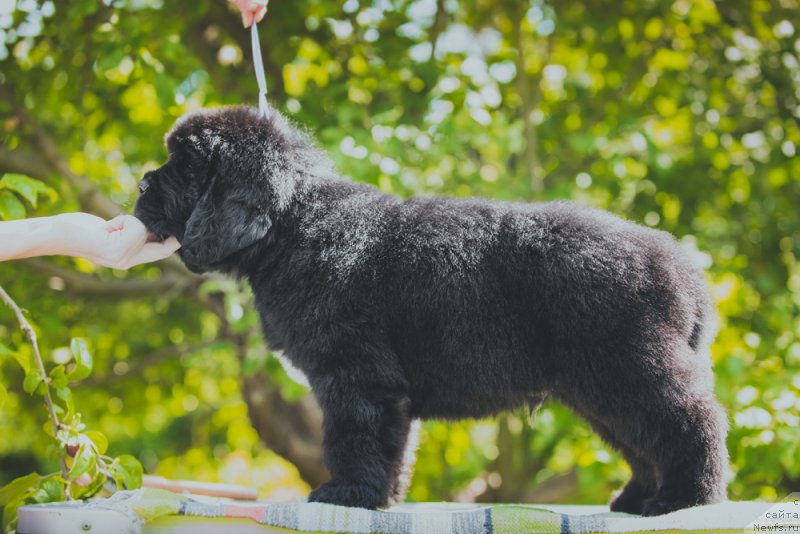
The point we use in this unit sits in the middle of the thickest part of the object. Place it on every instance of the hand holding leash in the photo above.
(252, 10)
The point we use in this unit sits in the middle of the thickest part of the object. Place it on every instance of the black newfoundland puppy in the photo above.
(398, 310)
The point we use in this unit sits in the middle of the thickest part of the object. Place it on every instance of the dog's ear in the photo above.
(222, 223)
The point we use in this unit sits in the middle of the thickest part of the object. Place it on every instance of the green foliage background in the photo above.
(682, 115)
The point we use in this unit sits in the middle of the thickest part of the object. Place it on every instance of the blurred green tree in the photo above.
(681, 114)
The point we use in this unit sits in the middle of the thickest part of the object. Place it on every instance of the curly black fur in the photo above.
(398, 310)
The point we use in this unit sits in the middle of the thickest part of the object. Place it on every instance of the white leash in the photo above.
(258, 66)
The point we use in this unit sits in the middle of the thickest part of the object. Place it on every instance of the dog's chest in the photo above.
(293, 372)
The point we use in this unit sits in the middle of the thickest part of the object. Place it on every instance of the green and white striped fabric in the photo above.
(152, 510)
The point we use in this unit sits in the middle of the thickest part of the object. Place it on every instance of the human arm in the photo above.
(120, 243)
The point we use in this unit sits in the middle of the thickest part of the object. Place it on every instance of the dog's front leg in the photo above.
(366, 426)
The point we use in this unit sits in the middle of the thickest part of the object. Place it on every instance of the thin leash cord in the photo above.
(258, 66)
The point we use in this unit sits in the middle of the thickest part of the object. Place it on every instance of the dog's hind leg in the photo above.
(691, 456)
(661, 410)
(644, 477)
(642, 485)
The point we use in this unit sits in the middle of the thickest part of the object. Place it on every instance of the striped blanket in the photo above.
(152, 507)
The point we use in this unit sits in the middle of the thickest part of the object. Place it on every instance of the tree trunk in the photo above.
(294, 431)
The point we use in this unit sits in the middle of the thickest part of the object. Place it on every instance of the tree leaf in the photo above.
(23, 359)
(10, 514)
(111, 59)
(17, 487)
(84, 461)
(129, 472)
(99, 440)
(165, 89)
(83, 360)
(32, 381)
(58, 376)
(54, 488)
(10, 206)
(84, 492)
(28, 188)
(65, 394)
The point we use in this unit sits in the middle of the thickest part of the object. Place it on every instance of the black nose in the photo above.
(144, 185)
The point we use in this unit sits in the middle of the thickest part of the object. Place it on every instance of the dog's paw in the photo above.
(657, 506)
(627, 501)
(343, 494)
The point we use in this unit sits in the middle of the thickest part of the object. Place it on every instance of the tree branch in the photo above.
(293, 430)
(528, 98)
(48, 400)
(24, 163)
(90, 286)
(154, 358)
(437, 27)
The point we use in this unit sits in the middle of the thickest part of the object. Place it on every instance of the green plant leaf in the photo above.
(28, 188)
(165, 89)
(83, 360)
(99, 440)
(128, 472)
(32, 381)
(23, 359)
(18, 487)
(58, 377)
(111, 59)
(47, 428)
(54, 488)
(84, 461)
(65, 395)
(84, 492)
(10, 206)
(10, 514)
(3, 395)
(5, 351)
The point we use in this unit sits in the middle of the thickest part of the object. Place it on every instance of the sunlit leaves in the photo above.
(10, 206)
(99, 441)
(32, 381)
(26, 187)
(84, 467)
(127, 472)
(17, 487)
(13, 494)
(83, 461)
(83, 360)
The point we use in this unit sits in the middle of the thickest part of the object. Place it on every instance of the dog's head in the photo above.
(230, 172)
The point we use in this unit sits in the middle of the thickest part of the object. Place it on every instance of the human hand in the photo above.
(120, 243)
(252, 10)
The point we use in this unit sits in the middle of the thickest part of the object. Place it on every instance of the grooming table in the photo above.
(154, 511)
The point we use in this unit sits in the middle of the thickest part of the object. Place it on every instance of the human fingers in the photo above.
(252, 10)
(154, 251)
(129, 239)
(115, 224)
(260, 13)
(132, 225)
